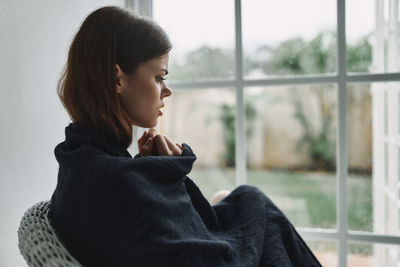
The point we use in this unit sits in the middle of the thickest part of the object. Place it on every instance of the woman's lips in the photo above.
(160, 112)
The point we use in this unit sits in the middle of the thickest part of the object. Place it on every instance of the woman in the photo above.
(110, 209)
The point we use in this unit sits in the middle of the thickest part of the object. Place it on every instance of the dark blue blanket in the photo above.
(114, 210)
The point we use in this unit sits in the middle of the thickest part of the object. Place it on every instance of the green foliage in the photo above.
(359, 56)
(313, 189)
(320, 143)
(320, 54)
(204, 63)
(286, 58)
(227, 117)
(296, 56)
(290, 57)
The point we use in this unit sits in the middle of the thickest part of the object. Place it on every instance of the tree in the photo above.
(291, 57)
(319, 141)
(204, 63)
(295, 56)
(227, 117)
(359, 55)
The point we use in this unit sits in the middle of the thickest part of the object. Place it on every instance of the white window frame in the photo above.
(342, 235)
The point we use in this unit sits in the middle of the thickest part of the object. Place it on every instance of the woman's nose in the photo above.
(166, 91)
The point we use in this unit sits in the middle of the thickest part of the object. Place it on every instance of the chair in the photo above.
(38, 241)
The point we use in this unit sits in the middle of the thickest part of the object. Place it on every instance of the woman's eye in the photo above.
(159, 78)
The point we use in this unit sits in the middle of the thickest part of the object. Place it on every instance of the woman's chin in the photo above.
(152, 124)
(146, 124)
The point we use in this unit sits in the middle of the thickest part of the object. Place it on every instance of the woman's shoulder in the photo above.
(88, 154)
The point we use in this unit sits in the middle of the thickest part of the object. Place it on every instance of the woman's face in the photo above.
(142, 93)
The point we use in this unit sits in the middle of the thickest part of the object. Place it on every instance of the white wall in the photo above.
(34, 41)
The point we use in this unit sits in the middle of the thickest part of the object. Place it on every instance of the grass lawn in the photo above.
(307, 198)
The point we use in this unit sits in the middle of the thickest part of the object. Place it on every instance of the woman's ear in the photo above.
(119, 78)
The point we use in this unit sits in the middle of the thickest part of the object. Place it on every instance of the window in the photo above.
(300, 98)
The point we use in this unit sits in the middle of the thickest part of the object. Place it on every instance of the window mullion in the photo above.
(142, 7)
(240, 134)
(356, 236)
(341, 144)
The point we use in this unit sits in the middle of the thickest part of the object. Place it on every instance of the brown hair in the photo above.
(87, 87)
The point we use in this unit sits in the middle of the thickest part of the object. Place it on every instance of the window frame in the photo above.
(341, 235)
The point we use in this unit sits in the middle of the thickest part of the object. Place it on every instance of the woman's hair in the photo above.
(87, 87)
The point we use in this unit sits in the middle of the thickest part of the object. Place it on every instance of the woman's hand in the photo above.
(152, 143)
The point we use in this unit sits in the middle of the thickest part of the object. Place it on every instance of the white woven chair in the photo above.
(38, 241)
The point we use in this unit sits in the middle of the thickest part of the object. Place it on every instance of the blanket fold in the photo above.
(115, 210)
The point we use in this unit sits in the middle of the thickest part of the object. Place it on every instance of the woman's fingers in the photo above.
(143, 149)
(176, 151)
(156, 144)
(147, 148)
(179, 146)
(162, 146)
(146, 135)
(142, 140)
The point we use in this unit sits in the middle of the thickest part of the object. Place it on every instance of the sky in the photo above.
(191, 23)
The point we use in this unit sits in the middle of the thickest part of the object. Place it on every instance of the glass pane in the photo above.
(373, 157)
(359, 129)
(205, 120)
(325, 251)
(373, 255)
(202, 33)
(291, 145)
(288, 37)
(372, 36)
